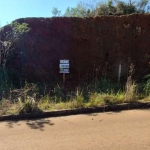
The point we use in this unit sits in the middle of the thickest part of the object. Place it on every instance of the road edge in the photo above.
(77, 111)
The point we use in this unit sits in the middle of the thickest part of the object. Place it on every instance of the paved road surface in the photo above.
(126, 130)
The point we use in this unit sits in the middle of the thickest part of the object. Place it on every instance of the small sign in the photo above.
(65, 61)
(64, 70)
(63, 65)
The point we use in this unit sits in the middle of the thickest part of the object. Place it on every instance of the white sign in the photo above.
(64, 61)
(64, 66)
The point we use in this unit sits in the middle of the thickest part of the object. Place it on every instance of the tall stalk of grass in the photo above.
(131, 86)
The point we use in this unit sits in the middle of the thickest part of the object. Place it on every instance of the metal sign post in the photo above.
(64, 68)
(63, 77)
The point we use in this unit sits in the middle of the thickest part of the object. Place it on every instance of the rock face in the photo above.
(95, 47)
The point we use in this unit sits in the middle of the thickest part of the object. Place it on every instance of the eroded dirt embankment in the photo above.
(94, 46)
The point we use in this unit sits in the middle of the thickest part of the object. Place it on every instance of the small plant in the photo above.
(147, 86)
(46, 99)
(58, 94)
(4, 106)
(131, 87)
(103, 85)
(78, 100)
(29, 106)
(45, 103)
(120, 96)
(95, 100)
(79, 97)
(100, 99)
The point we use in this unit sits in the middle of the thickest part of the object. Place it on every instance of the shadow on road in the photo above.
(10, 124)
(38, 124)
(33, 124)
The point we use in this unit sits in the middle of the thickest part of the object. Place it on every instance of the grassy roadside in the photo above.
(34, 98)
(48, 103)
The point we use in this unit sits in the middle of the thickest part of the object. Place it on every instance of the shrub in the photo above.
(147, 86)
(29, 106)
(131, 90)
(103, 85)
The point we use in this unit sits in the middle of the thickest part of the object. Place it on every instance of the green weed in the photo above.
(30, 106)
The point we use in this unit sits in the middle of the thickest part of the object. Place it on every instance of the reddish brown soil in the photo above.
(94, 46)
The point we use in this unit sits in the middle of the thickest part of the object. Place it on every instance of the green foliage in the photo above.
(125, 8)
(103, 85)
(131, 92)
(111, 99)
(95, 99)
(98, 93)
(4, 106)
(29, 106)
(147, 86)
(131, 86)
(18, 29)
(141, 6)
(102, 10)
(5, 83)
(99, 99)
(10, 40)
(80, 11)
(46, 99)
(58, 93)
(79, 98)
(56, 12)
(97, 8)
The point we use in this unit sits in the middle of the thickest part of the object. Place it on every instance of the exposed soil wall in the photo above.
(95, 47)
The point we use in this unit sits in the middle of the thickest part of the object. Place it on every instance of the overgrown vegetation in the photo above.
(95, 8)
(35, 98)
(9, 40)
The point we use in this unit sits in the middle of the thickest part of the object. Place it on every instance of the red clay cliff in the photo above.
(95, 47)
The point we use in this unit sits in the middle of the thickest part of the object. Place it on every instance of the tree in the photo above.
(148, 8)
(141, 5)
(56, 12)
(125, 8)
(97, 8)
(102, 9)
(9, 40)
(111, 8)
(83, 9)
(79, 11)
(131, 6)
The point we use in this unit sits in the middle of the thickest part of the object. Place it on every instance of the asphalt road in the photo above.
(126, 130)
